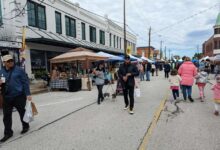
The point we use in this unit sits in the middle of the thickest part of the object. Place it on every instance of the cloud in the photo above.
(188, 23)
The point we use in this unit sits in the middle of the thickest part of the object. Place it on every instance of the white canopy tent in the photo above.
(110, 56)
(146, 59)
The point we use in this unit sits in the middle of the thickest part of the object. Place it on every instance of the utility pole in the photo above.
(125, 41)
(161, 43)
(149, 51)
(165, 52)
(169, 54)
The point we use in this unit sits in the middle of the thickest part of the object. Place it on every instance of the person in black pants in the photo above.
(99, 81)
(15, 91)
(167, 68)
(126, 73)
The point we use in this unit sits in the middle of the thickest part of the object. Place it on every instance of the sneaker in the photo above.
(25, 130)
(5, 138)
(190, 99)
(131, 112)
(216, 113)
(126, 107)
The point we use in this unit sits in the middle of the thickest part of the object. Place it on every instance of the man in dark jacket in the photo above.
(167, 69)
(15, 91)
(148, 70)
(126, 73)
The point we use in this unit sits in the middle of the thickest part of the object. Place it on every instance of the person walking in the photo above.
(148, 70)
(201, 80)
(15, 90)
(126, 73)
(157, 65)
(153, 69)
(187, 72)
(216, 95)
(99, 81)
(141, 71)
(167, 69)
(174, 80)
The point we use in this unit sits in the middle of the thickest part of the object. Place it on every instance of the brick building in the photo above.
(144, 51)
(212, 45)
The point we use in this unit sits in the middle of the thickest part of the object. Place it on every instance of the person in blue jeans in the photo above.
(148, 70)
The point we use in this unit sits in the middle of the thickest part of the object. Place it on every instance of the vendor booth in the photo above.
(76, 77)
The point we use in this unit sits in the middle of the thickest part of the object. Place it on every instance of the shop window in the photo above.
(58, 22)
(102, 37)
(114, 41)
(36, 15)
(110, 39)
(92, 31)
(70, 26)
(83, 26)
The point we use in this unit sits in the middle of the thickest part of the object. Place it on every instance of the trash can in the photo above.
(74, 85)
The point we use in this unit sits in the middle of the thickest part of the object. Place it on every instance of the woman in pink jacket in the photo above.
(187, 71)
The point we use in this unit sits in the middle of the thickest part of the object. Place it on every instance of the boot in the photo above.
(190, 99)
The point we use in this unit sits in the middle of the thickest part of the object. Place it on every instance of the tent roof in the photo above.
(77, 54)
(110, 56)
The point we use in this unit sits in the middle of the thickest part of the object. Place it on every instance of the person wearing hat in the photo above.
(15, 91)
(126, 73)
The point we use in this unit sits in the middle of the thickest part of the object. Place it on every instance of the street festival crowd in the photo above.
(181, 75)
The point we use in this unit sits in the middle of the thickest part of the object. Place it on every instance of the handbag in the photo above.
(34, 109)
(137, 92)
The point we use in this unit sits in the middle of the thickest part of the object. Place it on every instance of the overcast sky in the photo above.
(188, 23)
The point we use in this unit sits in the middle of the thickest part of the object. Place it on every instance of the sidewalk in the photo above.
(194, 127)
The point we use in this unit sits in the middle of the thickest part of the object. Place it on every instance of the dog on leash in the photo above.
(108, 95)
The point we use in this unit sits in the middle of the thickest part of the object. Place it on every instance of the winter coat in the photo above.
(167, 67)
(175, 80)
(202, 77)
(123, 70)
(216, 92)
(99, 77)
(187, 72)
(148, 67)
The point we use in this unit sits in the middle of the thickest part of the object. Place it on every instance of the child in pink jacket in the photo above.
(216, 95)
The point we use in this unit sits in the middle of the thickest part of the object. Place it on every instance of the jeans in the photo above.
(141, 75)
(19, 103)
(100, 93)
(147, 75)
(129, 91)
(187, 91)
(175, 93)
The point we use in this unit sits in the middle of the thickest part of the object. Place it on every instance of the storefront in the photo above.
(40, 61)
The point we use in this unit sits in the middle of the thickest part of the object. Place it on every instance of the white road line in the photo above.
(55, 103)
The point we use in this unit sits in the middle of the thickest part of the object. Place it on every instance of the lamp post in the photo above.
(125, 41)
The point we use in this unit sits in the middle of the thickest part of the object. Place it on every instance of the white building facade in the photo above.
(54, 27)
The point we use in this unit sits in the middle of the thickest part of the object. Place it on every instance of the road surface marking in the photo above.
(153, 124)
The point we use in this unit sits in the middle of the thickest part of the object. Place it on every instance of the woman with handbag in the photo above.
(99, 81)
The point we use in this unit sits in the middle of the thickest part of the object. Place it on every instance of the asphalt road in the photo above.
(74, 121)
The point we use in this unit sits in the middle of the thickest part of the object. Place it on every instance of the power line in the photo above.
(187, 18)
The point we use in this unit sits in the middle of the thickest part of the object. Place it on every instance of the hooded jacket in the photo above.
(187, 72)
(202, 77)
(123, 70)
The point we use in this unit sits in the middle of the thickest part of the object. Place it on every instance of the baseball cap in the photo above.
(127, 57)
(7, 57)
